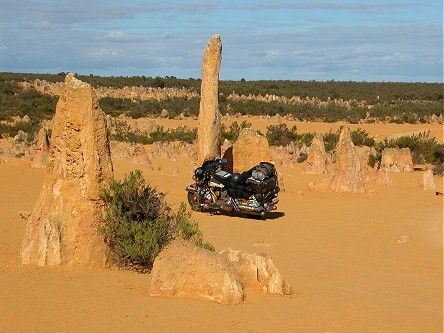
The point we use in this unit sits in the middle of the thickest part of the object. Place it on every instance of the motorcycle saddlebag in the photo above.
(262, 186)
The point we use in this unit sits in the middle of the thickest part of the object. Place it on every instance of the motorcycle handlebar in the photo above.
(209, 167)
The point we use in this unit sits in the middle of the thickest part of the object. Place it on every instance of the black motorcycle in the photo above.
(252, 192)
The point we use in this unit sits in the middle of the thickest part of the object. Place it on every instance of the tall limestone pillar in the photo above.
(209, 130)
(62, 230)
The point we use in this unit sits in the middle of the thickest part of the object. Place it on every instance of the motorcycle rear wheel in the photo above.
(193, 200)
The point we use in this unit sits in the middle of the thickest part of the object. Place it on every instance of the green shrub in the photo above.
(372, 160)
(233, 132)
(15, 101)
(123, 132)
(182, 133)
(331, 140)
(361, 137)
(281, 135)
(138, 223)
(31, 127)
(305, 138)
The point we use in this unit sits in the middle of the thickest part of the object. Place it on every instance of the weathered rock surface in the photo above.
(119, 152)
(41, 150)
(397, 160)
(63, 226)
(316, 162)
(182, 269)
(257, 270)
(347, 176)
(383, 177)
(427, 182)
(320, 184)
(208, 133)
(285, 156)
(249, 150)
(139, 156)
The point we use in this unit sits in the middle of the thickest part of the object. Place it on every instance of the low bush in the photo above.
(143, 108)
(331, 140)
(281, 135)
(361, 137)
(233, 132)
(138, 223)
(30, 127)
(181, 133)
(123, 132)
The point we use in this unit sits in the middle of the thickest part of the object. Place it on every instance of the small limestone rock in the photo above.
(20, 137)
(24, 215)
(41, 150)
(258, 270)
(404, 239)
(347, 176)
(164, 113)
(427, 182)
(261, 243)
(139, 156)
(319, 185)
(397, 160)
(316, 162)
(383, 177)
(184, 270)
(249, 150)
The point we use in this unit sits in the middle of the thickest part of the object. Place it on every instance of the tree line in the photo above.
(372, 92)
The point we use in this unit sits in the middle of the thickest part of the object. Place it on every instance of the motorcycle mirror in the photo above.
(223, 161)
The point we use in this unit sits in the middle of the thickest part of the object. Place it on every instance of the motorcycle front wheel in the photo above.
(193, 200)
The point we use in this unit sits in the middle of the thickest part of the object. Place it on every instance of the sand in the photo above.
(339, 251)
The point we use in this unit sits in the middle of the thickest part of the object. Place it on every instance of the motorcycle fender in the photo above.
(192, 188)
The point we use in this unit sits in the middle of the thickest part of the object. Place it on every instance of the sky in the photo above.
(357, 40)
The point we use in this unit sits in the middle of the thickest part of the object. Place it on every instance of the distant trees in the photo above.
(372, 92)
(385, 101)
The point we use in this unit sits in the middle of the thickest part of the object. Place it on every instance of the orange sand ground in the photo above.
(339, 251)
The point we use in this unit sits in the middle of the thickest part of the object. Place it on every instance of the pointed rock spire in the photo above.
(63, 226)
(208, 134)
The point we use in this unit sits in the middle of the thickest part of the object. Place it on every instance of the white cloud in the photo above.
(104, 53)
(167, 35)
(41, 25)
(272, 53)
(119, 36)
(397, 56)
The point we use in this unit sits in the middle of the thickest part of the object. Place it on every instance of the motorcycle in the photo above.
(254, 192)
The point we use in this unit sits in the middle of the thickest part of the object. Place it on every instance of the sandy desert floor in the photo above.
(339, 251)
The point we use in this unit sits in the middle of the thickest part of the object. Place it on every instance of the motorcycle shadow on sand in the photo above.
(268, 216)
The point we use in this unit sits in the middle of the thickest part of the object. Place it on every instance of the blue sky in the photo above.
(360, 40)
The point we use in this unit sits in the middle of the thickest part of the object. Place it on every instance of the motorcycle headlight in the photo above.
(198, 173)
